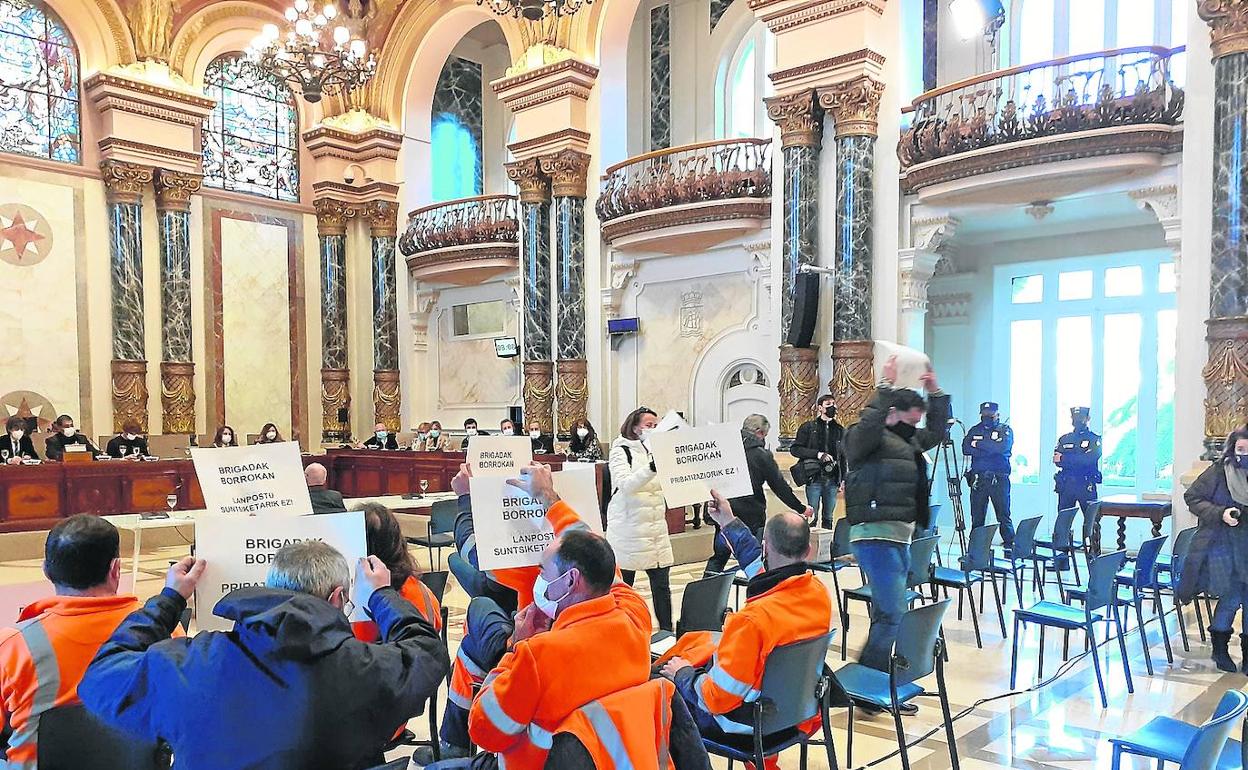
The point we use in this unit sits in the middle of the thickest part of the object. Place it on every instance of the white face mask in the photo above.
(582, 432)
(130, 436)
(227, 438)
(548, 606)
(69, 431)
(508, 432)
(472, 431)
(535, 434)
(17, 435)
(271, 435)
(646, 433)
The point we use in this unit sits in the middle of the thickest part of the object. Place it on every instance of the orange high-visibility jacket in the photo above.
(421, 598)
(595, 648)
(627, 729)
(43, 659)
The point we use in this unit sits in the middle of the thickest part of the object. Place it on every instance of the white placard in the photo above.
(240, 550)
(693, 461)
(512, 529)
(257, 480)
(499, 455)
(911, 364)
(670, 421)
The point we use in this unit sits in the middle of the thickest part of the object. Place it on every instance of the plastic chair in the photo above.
(794, 689)
(1137, 578)
(1024, 551)
(1173, 568)
(922, 552)
(71, 738)
(1194, 748)
(441, 529)
(916, 654)
(1100, 594)
(704, 604)
(1062, 542)
(436, 583)
(976, 568)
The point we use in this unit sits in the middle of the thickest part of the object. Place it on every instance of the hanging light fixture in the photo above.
(318, 53)
(534, 10)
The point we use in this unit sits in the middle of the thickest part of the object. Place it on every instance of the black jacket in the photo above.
(54, 447)
(544, 445)
(25, 448)
(885, 477)
(289, 688)
(819, 436)
(120, 446)
(763, 470)
(376, 443)
(326, 500)
(1218, 559)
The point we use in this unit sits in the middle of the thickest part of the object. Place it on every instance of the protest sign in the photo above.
(257, 480)
(911, 364)
(693, 461)
(511, 526)
(239, 552)
(499, 455)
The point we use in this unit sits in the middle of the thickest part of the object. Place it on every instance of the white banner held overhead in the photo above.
(239, 552)
(511, 527)
(499, 455)
(693, 461)
(255, 480)
(911, 364)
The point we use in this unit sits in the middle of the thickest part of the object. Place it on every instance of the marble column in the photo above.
(535, 344)
(177, 367)
(1226, 374)
(854, 106)
(916, 267)
(331, 227)
(124, 184)
(383, 221)
(568, 171)
(800, 119)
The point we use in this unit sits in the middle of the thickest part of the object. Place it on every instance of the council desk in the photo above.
(35, 497)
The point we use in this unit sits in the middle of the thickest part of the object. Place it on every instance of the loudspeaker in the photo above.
(343, 415)
(805, 310)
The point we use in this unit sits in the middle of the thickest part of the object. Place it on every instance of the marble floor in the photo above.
(1061, 725)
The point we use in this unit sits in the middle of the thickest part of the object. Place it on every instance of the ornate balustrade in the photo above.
(462, 241)
(1110, 102)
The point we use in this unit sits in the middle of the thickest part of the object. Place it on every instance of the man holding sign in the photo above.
(289, 687)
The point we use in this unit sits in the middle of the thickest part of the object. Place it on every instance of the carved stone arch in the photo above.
(99, 30)
(214, 30)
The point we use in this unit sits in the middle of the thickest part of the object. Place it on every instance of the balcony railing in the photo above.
(695, 173)
(1105, 89)
(464, 222)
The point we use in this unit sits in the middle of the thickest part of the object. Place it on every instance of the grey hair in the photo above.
(754, 423)
(310, 567)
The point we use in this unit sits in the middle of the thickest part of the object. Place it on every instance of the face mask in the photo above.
(548, 606)
(17, 435)
(1241, 461)
(435, 433)
(130, 436)
(582, 432)
(271, 435)
(535, 434)
(472, 431)
(69, 432)
(381, 434)
(508, 432)
(991, 421)
(227, 438)
(646, 433)
(829, 412)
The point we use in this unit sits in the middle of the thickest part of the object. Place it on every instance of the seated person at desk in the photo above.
(66, 435)
(436, 440)
(507, 428)
(269, 434)
(324, 500)
(422, 435)
(470, 428)
(382, 438)
(584, 445)
(15, 445)
(542, 444)
(225, 437)
(128, 444)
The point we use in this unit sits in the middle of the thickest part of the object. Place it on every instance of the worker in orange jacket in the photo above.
(43, 658)
(586, 635)
(786, 603)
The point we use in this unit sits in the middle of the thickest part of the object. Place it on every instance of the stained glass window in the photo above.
(251, 139)
(39, 113)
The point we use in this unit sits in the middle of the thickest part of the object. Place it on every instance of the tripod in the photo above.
(948, 456)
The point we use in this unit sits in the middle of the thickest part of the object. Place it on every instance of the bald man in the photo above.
(324, 500)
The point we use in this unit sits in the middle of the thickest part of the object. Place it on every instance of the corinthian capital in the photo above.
(534, 185)
(1228, 20)
(568, 171)
(383, 218)
(332, 216)
(124, 182)
(174, 189)
(854, 106)
(799, 117)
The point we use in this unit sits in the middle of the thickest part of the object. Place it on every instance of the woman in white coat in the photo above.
(636, 515)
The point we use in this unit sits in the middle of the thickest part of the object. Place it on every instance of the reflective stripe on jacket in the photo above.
(627, 730)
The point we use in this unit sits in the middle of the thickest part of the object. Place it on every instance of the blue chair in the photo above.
(441, 530)
(1024, 551)
(1100, 594)
(1172, 567)
(922, 551)
(1132, 583)
(1207, 747)
(916, 654)
(976, 568)
(1062, 544)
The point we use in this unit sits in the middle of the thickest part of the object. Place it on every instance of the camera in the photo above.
(1236, 513)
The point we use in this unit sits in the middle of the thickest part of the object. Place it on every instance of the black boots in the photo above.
(1243, 649)
(1221, 656)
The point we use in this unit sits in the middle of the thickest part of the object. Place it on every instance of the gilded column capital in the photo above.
(568, 171)
(1228, 22)
(332, 216)
(534, 185)
(383, 218)
(854, 106)
(175, 188)
(799, 117)
(124, 182)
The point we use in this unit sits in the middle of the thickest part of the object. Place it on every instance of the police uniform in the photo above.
(989, 445)
(1078, 455)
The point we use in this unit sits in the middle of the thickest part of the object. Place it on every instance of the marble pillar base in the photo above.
(572, 394)
(386, 398)
(177, 397)
(335, 384)
(539, 394)
(852, 378)
(799, 379)
(1226, 381)
(129, 394)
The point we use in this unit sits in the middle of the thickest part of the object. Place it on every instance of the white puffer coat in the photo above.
(636, 515)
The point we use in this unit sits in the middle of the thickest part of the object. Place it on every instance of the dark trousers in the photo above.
(1082, 497)
(719, 559)
(660, 593)
(994, 487)
(488, 628)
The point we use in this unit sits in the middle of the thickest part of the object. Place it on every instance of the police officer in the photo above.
(989, 445)
(1077, 456)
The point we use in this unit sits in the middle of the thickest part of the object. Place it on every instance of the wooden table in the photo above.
(1125, 507)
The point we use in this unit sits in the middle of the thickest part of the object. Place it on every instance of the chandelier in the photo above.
(311, 57)
(534, 10)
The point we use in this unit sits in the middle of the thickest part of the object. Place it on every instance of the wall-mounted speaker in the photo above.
(805, 310)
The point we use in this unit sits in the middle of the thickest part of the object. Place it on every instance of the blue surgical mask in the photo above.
(435, 433)
(548, 606)
(1241, 461)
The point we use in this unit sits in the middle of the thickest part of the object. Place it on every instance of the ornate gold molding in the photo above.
(383, 218)
(335, 386)
(539, 394)
(1228, 22)
(1226, 379)
(852, 378)
(568, 171)
(129, 394)
(854, 106)
(733, 209)
(799, 117)
(124, 182)
(799, 379)
(177, 397)
(862, 55)
(533, 184)
(572, 392)
(174, 190)
(332, 216)
(386, 398)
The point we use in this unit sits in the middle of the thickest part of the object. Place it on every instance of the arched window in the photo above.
(457, 127)
(743, 85)
(39, 113)
(251, 139)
